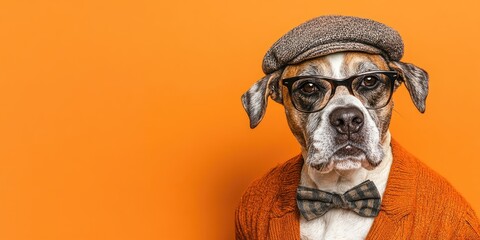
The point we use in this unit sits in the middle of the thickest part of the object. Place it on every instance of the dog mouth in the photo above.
(348, 151)
(347, 156)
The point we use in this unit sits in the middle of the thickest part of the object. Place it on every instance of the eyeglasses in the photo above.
(312, 93)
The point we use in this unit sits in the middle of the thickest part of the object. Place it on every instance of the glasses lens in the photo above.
(373, 89)
(310, 94)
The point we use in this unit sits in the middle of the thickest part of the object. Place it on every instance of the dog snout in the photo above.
(347, 120)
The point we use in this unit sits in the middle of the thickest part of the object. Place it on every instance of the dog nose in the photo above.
(346, 120)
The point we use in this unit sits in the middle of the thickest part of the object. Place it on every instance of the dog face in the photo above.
(344, 133)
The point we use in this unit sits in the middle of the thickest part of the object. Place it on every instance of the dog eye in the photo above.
(308, 88)
(370, 81)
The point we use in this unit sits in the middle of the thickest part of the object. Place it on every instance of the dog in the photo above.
(335, 77)
(330, 166)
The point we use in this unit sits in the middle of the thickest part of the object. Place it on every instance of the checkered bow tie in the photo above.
(363, 199)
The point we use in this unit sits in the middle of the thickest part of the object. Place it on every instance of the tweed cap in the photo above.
(329, 34)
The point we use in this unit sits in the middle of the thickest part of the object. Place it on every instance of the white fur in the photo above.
(336, 63)
(340, 223)
(323, 142)
(322, 146)
(342, 174)
(256, 107)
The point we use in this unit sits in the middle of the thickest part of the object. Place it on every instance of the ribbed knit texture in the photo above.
(417, 204)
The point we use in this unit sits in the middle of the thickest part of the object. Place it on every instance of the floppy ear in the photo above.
(416, 81)
(255, 99)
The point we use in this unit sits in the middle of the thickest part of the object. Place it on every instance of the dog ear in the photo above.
(416, 81)
(255, 99)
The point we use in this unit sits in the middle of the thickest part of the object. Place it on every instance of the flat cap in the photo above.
(329, 34)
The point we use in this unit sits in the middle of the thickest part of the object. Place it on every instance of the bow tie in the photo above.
(363, 199)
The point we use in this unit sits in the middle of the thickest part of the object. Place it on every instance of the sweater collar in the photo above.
(397, 201)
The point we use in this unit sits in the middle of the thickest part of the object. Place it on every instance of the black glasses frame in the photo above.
(346, 82)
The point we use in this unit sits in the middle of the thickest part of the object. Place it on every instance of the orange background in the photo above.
(122, 119)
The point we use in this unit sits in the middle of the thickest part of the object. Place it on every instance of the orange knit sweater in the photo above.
(417, 204)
